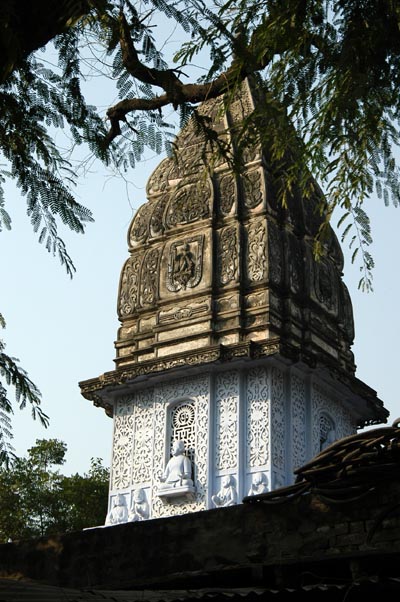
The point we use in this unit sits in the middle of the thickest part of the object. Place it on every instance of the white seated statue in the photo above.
(119, 511)
(227, 495)
(259, 484)
(139, 507)
(177, 477)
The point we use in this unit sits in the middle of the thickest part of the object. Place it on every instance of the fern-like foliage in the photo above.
(24, 392)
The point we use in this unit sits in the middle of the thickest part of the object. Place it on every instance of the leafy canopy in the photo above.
(36, 499)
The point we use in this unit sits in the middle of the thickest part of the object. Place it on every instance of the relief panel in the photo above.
(195, 389)
(226, 421)
(149, 278)
(256, 251)
(298, 399)
(121, 465)
(278, 420)
(228, 252)
(253, 188)
(128, 288)
(257, 418)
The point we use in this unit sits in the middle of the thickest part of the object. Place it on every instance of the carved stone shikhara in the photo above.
(234, 340)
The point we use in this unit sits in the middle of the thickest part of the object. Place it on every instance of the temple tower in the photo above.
(233, 358)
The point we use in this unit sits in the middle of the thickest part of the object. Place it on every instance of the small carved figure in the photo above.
(184, 266)
(119, 511)
(178, 472)
(259, 484)
(139, 507)
(227, 495)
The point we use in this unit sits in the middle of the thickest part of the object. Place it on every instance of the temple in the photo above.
(233, 360)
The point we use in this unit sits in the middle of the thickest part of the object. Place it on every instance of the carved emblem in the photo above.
(185, 263)
(156, 221)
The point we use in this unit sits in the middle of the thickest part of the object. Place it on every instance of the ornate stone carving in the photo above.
(258, 418)
(259, 484)
(298, 398)
(184, 312)
(149, 278)
(253, 188)
(228, 255)
(327, 431)
(140, 224)
(227, 397)
(275, 253)
(119, 511)
(143, 438)
(278, 420)
(227, 495)
(123, 445)
(185, 263)
(139, 509)
(325, 289)
(158, 181)
(227, 193)
(177, 478)
(190, 203)
(156, 220)
(128, 294)
(256, 255)
(196, 389)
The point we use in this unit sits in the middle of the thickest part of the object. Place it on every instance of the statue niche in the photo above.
(177, 478)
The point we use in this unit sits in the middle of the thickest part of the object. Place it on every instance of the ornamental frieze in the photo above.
(185, 263)
(128, 293)
(178, 313)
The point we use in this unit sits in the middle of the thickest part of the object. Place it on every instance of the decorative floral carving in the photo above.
(258, 419)
(277, 420)
(227, 399)
(228, 255)
(156, 221)
(227, 193)
(185, 263)
(143, 438)
(123, 445)
(158, 181)
(256, 256)
(298, 397)
(139, 228)
(190, 203)
(149, 278)
(128, 294)
(253, 188)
